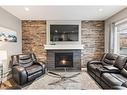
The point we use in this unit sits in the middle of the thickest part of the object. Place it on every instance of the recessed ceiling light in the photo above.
(26, 9)
(100, 10)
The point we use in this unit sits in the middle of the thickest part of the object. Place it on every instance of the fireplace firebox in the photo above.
(72, 58)
(63, 60)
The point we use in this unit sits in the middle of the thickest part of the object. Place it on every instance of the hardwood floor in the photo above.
(8, 84)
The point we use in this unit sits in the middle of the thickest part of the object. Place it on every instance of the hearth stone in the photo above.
(76, 59)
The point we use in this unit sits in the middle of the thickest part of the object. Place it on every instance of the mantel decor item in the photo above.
(7, 35)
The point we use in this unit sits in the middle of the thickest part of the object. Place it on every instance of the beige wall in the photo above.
(11, 22)
(117, 17)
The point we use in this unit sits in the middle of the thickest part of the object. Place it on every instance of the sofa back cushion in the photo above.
(120, 62)
(25, 60)
(109, 59)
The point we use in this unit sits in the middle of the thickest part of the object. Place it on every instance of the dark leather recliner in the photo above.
(113, 76)
(116, 79)
(25, 68)
(107, 59)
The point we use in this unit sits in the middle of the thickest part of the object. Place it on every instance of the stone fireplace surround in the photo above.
(76, 59)
(63, 47)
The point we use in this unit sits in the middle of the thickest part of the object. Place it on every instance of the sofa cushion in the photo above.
(111, 80)
(111, 68)
(111, 56)
(120, 62)
(34, 76)
(119, 88)
(25, 60)
(108, 62)
(119, 77)
(124, 72)
(109, 59)
(125, 66)
(124, 84)
(33, 69)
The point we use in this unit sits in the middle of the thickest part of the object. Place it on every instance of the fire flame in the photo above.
(63, 61)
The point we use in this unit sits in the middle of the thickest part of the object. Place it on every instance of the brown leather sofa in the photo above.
(110, 72)
(25, 68)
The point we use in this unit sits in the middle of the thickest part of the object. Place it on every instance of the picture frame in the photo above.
(7, 35)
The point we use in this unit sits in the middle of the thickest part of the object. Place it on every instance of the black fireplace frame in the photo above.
(63, 53)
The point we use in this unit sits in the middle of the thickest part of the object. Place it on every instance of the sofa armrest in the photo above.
(19, 74)
(42, 64)
(102, 70)
(95, 62)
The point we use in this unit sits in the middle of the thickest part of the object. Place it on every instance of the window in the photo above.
(120, 38)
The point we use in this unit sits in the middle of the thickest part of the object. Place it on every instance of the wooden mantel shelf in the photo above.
(62, 47)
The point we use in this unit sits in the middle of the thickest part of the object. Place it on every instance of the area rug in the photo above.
(82, 82)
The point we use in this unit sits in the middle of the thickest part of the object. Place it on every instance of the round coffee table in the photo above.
(62, 77)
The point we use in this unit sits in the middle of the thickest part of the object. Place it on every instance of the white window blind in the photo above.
(121, 38)
(122, 27)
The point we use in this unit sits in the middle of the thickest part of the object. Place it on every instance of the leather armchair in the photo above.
(25, 68)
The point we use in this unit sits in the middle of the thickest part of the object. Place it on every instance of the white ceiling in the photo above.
(63, 12)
